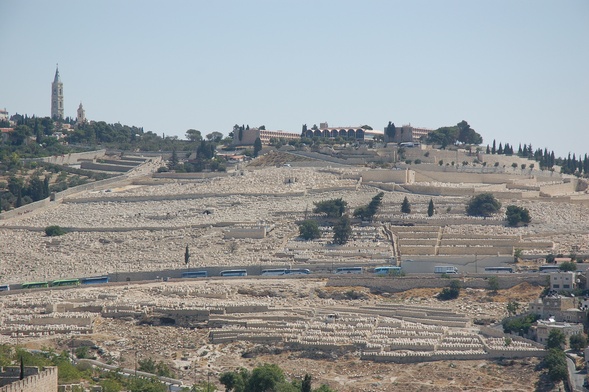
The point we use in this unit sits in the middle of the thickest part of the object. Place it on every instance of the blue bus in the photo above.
(298, 271)
(499, 270)
(274, 271)
(387, 270)
(4, 287)
(195, 274)
(235, 272)
(549, 268)
(349, 270)
(94, 280)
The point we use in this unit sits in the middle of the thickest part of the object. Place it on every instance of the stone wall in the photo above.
(103, 167)
(191, 176)
(70, 159)
(399, 284)
(239, 232)
(382, 175)
(45, 381)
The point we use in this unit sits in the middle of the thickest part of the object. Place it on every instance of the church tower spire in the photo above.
(57, 96)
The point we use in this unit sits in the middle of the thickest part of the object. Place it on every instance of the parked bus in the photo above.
(499, 270)
(298, 271)
(445, 269)
(549, 268)
(65, 282)
(274, 272)
(387, 270)
(349, 270)
(4, 287)
(195, 274)
(94, 280)
(34, 285)
(235, 272)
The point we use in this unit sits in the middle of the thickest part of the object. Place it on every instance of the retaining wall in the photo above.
(191, 176)
(398, 284)
(69, 159)
(382, 175)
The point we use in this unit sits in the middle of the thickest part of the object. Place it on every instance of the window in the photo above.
(555, 286)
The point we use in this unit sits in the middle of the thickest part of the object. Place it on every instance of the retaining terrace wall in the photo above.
(398, 284)
(559, 189)
(382, 175)
(191, 176)
(70, 158)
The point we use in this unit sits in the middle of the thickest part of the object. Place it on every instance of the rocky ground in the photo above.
(192, 356)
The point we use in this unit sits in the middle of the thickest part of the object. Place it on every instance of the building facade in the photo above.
(249, 136)
(559, 308)
(348, 132)
(57, 96)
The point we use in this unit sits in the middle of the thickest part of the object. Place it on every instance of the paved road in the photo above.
(470, 264)
(577, 376)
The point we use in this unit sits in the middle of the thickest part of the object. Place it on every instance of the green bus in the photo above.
(65, 282)
(34, 285)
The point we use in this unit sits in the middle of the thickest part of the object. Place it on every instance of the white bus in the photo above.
(274, 271)
(236, 272)
(387, 270)
(349, 270)
(298, 271)
(445, 269)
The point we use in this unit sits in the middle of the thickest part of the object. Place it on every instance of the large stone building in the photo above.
(348, 132)
(559, 308)
(57, 96)
(542, 329)
(249, 136)
(407, 133)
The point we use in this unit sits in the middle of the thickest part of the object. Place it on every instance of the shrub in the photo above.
(483, 205)
(54, 231)
(451, 292)
(309, 230)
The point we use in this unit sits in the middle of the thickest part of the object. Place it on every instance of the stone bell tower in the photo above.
(57, 96)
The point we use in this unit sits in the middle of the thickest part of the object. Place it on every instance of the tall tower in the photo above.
(81, 119)
(57, 96)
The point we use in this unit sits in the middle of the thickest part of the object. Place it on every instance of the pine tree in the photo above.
(173, 160)
(342, 230)
(406, 207)
(430, 208)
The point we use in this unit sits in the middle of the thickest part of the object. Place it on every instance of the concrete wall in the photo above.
(70, 159)
(45, 381)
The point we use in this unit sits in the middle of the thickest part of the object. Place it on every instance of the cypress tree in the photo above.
(186, 256)
(406, 207)
(430, 208)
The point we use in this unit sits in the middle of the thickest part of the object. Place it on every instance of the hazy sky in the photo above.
(517, 71)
